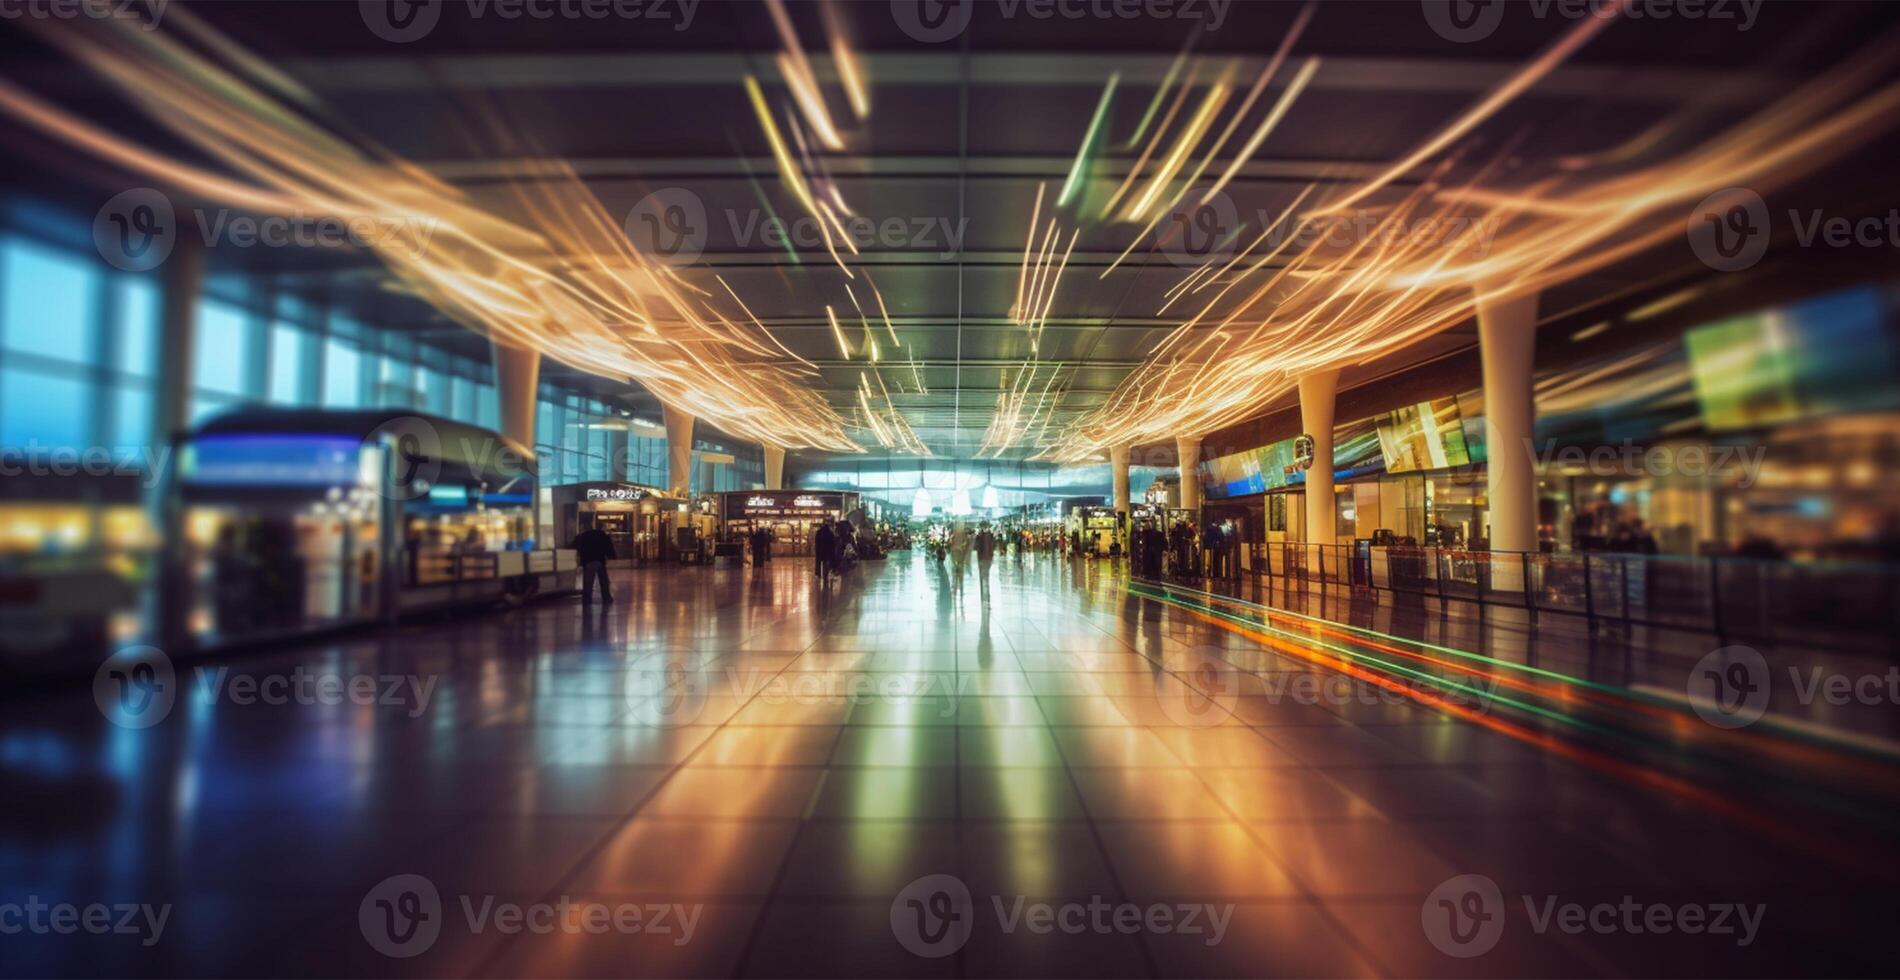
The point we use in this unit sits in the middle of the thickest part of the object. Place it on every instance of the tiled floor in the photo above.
(733, 773)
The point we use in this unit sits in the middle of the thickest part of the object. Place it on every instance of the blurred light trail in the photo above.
(1091, 140)
(1381, 674)
(1416, 261)
(566, 281)
(795, 68)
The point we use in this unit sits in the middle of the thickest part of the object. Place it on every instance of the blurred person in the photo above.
(824, 545)
(594, 549)
(959, 552)
(985, 551)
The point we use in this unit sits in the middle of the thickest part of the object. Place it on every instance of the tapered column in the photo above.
(517, 380)
(679, 452)
(774, 467)
(1507, 344)
(182, 277)
(180, 281)
(1317, 391)
(1118, 476)
(1187, 456)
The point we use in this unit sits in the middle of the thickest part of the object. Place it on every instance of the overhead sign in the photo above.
(791, 505)
(625, 494)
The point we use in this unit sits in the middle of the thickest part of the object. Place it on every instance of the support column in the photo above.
(1507, 343)
(517, 386)
(1317, 391)
(679, 452)
(181, 282)
(1118, 476)
(1187, 459)
(774, 467)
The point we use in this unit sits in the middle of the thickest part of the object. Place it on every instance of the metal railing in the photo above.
(1854, 606)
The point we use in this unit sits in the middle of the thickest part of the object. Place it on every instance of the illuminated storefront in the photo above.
(789, 515)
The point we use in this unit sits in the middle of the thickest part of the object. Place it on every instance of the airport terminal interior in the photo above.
(949, 488)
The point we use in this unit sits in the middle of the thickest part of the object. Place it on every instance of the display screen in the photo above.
(1425, 436)
(1824, 356)
(272, 461)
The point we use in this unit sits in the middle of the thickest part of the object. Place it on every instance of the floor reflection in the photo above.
(787, 759)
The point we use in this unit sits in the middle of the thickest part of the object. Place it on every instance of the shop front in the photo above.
(637, 519)
(790, 516)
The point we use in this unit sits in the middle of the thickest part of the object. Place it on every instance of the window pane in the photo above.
(138, 326)
(341, 380)
(487, 410)
(286, 362)
(221, 348)
(132, 415)
(51, 301)
(44, 409)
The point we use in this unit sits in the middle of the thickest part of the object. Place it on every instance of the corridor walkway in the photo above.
(763, 771)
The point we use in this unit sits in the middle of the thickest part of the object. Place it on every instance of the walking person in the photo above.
(985, 552)
(959, 553)
(593, 549)
(824, 549)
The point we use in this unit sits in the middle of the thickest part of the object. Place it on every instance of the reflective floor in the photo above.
(729, 772)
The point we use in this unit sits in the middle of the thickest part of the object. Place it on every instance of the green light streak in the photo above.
(1155, 105)
(1090, 140)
